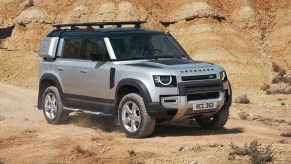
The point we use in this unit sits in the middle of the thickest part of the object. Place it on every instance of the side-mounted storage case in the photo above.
(48, 47)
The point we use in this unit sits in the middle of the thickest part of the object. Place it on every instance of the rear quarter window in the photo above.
(73, 48)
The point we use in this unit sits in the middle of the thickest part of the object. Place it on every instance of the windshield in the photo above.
(144, 46)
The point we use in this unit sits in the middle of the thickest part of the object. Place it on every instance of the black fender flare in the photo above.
(138, 85)
(54, 79)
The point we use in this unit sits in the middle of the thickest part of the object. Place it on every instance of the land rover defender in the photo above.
(140, 76)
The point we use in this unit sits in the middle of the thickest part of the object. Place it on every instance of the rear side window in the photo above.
(82, 48)
(74, 48)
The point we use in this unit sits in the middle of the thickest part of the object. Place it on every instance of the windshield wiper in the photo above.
(135, 58)
(152, 57)
(163, 56)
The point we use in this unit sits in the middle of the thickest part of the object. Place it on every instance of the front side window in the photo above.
(144, 46)
(96, 46)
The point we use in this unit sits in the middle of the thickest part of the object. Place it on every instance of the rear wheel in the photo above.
(215, 122)
(53, 107)
(134, 119)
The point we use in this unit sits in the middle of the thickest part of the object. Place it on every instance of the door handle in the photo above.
(60, 68)
(83, 70)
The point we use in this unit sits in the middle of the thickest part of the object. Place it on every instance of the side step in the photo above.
(87, 111)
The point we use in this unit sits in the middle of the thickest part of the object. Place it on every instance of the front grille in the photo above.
(201, 77)
(202, 96)
(199, 86)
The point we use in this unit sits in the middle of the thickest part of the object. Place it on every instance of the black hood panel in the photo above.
(162, 63)
(174, 61)
(145, 64)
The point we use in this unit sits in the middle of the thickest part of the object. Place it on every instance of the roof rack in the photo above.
(100, 24)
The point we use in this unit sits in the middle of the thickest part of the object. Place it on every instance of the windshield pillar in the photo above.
(109, 48)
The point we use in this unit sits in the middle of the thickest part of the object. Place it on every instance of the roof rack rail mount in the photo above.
(100, 24)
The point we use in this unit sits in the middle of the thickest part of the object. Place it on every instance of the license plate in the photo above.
(202, 106)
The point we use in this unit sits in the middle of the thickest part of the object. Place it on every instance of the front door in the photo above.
(94, 78)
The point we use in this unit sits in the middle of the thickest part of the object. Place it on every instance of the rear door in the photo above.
(67, 68)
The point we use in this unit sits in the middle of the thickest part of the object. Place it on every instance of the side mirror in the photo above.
(96, 55)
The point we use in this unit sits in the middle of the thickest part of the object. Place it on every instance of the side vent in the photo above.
(112, 77)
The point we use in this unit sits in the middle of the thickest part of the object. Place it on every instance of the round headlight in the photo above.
(165, 80)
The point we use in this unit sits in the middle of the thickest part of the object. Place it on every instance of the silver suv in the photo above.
(140, 76)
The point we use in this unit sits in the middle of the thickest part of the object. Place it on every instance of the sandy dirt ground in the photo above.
(25, 137)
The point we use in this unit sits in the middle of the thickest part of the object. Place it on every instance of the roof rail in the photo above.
(100, 24)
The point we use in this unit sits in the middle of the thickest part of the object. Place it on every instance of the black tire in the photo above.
(215, 122)
(136, 111)
(52, 106)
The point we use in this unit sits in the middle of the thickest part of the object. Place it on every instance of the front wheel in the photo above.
(215, 122)
(53, 107)
(134, 119)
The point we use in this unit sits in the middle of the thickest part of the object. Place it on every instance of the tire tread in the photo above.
(218, 121)
(149, 122)
(62, 115)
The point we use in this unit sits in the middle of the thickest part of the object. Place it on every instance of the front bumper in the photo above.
(180, 107)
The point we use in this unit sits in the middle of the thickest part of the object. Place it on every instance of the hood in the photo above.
(181, 66)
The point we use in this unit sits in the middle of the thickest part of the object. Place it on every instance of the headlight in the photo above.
(223, 76)
(165, 81)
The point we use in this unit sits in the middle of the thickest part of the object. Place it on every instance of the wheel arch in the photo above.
(45, 81)
(127, 86)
